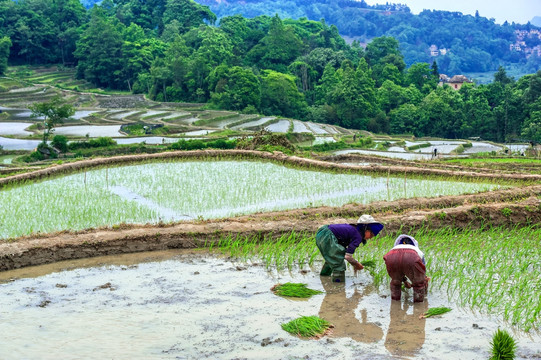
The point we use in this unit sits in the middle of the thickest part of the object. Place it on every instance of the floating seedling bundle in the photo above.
(435, 311)
(294, 290)
(308, 327)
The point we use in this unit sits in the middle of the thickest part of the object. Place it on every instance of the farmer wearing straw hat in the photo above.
(337, 242)
(406, 261)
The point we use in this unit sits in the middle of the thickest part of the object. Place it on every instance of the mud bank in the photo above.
(48, 248)
(258, 155)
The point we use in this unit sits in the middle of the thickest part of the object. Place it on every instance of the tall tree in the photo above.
(53, 112)
(99, 51)
(234, 88)
(188, 13)
(5, 44)
(278, 49)
(280, 95)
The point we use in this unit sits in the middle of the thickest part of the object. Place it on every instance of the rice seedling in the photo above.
(298, 290)
(489, 270)
(368, 263)
(307, 326)
(503, 346)
(435, 311)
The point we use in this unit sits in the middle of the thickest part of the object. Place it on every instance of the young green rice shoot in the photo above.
(489, 270)
(503, 346)
(307, 326)
(298, 290)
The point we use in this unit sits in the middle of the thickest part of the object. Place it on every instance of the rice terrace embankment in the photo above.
(508, 207)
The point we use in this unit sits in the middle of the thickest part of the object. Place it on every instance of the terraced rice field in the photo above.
(175, 191)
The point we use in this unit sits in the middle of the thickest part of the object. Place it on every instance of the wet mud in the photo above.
(188, 304)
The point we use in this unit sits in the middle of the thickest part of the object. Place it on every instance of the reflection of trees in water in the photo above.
(339, 310)
(406, 334)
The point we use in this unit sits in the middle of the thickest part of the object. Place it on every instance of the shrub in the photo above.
(330, 146)
(92, 143)
(60, 142)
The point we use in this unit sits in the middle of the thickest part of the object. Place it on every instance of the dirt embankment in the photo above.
(258, 155)
(428, 164)
(509, 207)
(44, 249)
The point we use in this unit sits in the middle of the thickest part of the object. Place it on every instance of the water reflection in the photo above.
(406, 334)
(340, 311)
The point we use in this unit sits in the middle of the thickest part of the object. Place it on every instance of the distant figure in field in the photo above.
(405, 261)
(435, 154)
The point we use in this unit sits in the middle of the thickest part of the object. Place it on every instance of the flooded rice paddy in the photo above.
(156, 192)
(90, 130)
(188, 304)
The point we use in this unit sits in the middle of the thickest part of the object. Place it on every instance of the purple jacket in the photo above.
(348, 236)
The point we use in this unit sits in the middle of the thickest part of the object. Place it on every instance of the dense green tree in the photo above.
(391, 72)
(380, 52)
(67, 17)
(501, 76)
(99, 51)
(478, 118)
(441, 114)
(404, 120)
(420, 75)
(234, 88)
(277, 49)
(532, 127)
(5, 44)
(188, 13)
(280, 95)
(138, 52)
(354, 97)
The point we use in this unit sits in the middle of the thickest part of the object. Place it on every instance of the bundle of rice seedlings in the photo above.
(434, 311)
(294, 290)
(307, 326)
(368, 263)
(503, 346)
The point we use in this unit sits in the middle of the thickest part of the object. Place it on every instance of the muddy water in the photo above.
(187, 305)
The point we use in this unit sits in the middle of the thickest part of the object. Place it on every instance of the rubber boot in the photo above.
(326, 270)
(419, 294)
(338, 276)
(396, 289)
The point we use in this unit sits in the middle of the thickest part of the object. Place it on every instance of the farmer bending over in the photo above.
(405, 261)
(337, 242)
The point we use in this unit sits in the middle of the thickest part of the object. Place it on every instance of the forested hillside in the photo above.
(463, 43)
(171, 51)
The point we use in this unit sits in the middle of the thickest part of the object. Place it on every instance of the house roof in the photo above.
(459, 79)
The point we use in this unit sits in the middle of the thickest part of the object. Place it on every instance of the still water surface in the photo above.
(187, 304)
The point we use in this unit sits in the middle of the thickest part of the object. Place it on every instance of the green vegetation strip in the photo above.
(298, 290)
(435, 311)
(307, 326)
(493, 270)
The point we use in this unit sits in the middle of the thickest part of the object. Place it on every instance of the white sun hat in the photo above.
(374, 225)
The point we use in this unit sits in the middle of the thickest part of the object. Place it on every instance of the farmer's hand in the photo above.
(407, 285)
(358, 266)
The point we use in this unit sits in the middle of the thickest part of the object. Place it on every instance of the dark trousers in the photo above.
(406, 262)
